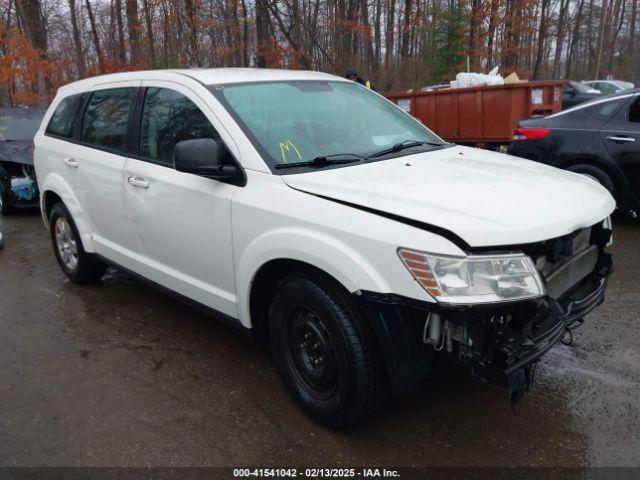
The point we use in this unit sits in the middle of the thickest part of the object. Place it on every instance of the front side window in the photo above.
(61, 122)
(634, 111)
(608, 109)
(169, 117)
(106, 118)
(297, 121)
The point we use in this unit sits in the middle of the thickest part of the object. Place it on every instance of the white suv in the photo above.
(316, 214)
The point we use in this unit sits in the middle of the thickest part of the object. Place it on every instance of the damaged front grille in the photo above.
(566, 261)
(561, 279)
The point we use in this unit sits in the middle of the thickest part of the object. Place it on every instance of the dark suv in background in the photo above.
(600, 138)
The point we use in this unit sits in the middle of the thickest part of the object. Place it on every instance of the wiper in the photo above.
(324, 161)
(404, 144)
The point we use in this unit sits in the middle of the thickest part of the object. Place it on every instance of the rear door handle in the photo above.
(138, 182)
(621, 139)
(70, 162)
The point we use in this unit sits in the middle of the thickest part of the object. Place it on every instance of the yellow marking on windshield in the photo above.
(286, 147)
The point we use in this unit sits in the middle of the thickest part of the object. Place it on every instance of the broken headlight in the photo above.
(475, 278)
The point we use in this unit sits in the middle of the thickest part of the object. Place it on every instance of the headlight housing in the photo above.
(475, 278)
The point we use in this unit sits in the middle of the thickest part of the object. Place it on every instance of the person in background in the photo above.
(352, 74)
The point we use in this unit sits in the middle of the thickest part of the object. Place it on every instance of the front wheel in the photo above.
(324, 351)
(78, 265)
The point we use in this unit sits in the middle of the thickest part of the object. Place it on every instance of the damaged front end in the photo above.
(18, 185)
(500, 342)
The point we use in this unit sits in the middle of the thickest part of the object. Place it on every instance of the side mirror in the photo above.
(204, 157)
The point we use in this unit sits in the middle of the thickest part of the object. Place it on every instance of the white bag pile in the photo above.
(464, 79)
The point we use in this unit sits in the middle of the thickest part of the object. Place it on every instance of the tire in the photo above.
(80, 266)
(324, 351)
(597, 174)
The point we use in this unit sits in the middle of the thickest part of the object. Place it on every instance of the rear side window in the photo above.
(61, 122)
(169, 117)
(106, 118)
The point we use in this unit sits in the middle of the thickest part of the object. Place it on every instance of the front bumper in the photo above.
(501, 343)
(511, 351)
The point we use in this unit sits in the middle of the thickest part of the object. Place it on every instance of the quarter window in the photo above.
(106, 118)
(61, 122)
(169, 117)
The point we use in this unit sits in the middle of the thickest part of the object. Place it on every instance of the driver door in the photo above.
(182, 222)
(621, 137)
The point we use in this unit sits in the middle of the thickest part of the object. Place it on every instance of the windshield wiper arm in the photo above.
(405, 144)
(324, 161)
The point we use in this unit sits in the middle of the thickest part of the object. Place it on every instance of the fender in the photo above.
(334, 257)
(55, 183)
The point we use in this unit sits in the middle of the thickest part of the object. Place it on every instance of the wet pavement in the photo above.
(119, 374)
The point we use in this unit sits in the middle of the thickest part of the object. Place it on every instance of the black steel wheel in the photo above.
(310, 352)
(325, 351)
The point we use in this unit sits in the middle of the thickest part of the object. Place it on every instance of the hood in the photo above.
(486, 198)
(17, 151)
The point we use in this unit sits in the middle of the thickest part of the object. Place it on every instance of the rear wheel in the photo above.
(597, 174)
(78, 265)
(324, 351)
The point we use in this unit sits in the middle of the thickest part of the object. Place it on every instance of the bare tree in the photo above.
(600, 42)
(96, 37)
(77, 43)
(33, 24)
(188, 32)
(561, 31)
(133, 27)
(398, 44)
(262, 32)
(150, 35)
(542, 36)
(574, 39)
(493, 13)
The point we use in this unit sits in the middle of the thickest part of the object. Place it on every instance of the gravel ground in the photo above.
(121, 375)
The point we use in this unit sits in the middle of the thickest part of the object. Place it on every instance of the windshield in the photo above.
(19, 125)
(298, 121)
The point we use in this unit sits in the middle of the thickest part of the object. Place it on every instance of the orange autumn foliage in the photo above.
(20, 66)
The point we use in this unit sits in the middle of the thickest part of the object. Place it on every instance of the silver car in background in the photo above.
(609, 86)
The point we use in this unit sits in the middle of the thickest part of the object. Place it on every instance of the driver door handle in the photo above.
(138, 182)
(71, 162)
(621, 139)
